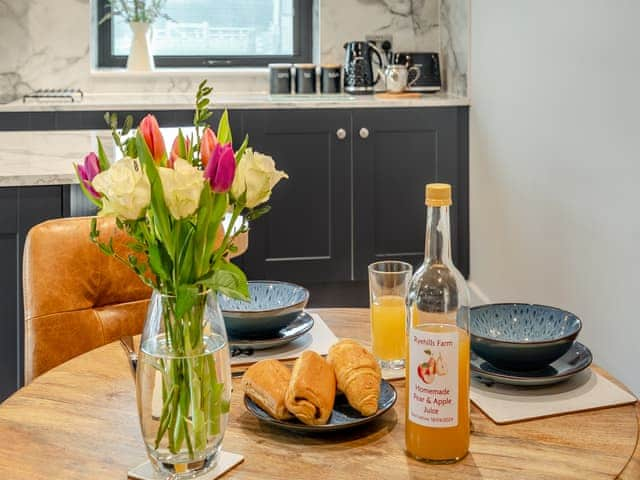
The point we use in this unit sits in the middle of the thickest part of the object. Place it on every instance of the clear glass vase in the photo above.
(183, 383)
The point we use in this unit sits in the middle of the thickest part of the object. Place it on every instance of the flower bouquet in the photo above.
(172, 206)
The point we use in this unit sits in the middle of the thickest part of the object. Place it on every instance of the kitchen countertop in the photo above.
(45, 158)
(183, 101)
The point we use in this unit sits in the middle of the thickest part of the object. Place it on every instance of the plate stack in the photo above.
(523, 344)
(275, 316)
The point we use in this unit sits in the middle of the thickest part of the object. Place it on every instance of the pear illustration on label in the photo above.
(441, 367)
(428, 369)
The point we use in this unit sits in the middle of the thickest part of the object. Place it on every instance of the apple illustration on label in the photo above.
(428, 370)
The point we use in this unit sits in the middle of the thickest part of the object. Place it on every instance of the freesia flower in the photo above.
(126, 189)
(87, 172)
(153, 138)
(208, 144)
(221, 168)
(181, 186)
(175, 150)
(257, 175)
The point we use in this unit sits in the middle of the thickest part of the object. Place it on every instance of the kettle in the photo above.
(359, 76)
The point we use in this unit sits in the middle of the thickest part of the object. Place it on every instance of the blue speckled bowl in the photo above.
(273, 306)
(520, 336)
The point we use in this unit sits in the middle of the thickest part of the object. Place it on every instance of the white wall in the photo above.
(555, 164)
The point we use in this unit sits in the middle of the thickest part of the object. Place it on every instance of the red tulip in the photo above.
(220, 169)
(175, 150)
(208, 144)
(153, 138)
(87, 172)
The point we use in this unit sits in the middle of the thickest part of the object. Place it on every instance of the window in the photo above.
(203, 33)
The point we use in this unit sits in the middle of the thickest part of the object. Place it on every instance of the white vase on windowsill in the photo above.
(140, 58)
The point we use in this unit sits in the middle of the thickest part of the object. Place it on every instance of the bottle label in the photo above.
(433, 378)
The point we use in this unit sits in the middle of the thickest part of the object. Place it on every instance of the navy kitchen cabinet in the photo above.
(356, 192)
(306, 235)
(395, 153)
(20, 209)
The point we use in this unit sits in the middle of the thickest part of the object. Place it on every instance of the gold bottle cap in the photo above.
(438, 195)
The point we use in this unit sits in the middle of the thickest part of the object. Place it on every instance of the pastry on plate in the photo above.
(312, 389)
(266, 383)
(358, 375)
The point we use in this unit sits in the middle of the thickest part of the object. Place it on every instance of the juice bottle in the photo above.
(388, 318)
(437, 413)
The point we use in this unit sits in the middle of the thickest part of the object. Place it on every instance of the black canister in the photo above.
(280, 78)
(330, 81)
(305, 78)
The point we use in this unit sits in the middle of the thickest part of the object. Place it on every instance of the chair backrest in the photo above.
(75, 297)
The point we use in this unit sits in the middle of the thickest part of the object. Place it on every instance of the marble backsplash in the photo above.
(48, 44)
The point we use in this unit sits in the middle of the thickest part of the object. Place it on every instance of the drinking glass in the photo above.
(388, 288)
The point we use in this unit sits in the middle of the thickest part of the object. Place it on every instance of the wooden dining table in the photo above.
(79, 421)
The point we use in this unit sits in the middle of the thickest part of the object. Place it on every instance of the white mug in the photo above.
(396, 77)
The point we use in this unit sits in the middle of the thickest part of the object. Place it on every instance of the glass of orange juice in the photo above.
(388, 288)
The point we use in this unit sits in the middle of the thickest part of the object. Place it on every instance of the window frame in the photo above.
(302, 45)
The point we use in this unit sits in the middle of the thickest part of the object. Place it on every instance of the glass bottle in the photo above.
(437, 413)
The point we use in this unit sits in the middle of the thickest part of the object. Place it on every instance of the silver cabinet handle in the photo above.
(341, 133)
(364, 133)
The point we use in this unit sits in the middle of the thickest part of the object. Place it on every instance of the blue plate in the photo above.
(342, 417)
(296, 329)
(574, 361)
(273, 306)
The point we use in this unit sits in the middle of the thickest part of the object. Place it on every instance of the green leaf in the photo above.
(229, 280)
(258, 212)
(103, 160)
(182, 145)
(185, 256)
(224, 130)
(156, 262)
(243, 147)
(186, 296)
(159, 208)
(218, 208)
(128, 123)
(130, 148)
(95, 233)
(202, 226)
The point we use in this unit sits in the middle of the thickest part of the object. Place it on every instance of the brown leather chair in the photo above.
(75, 297)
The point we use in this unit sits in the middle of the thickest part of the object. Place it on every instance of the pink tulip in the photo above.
(175, 150)
(87, 172)
(153, 138)
(220, 169)
(208, 144)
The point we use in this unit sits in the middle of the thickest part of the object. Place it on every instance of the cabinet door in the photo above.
(306, 235)
(20, 209)
(397, 152)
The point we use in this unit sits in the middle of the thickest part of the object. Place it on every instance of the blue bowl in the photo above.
(520, 336)
(273, 306)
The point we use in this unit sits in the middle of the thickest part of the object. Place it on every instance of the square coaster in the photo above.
(226, 462)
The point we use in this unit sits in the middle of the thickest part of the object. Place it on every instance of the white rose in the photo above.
(256, 173)
(126, 189)
(182, 186)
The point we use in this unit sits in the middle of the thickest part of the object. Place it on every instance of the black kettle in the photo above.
(359, 76)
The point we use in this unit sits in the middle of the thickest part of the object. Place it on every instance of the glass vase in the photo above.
(183, 383)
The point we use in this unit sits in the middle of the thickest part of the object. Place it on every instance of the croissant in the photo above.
(358, 375)
(312, 389)
(266, 383)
